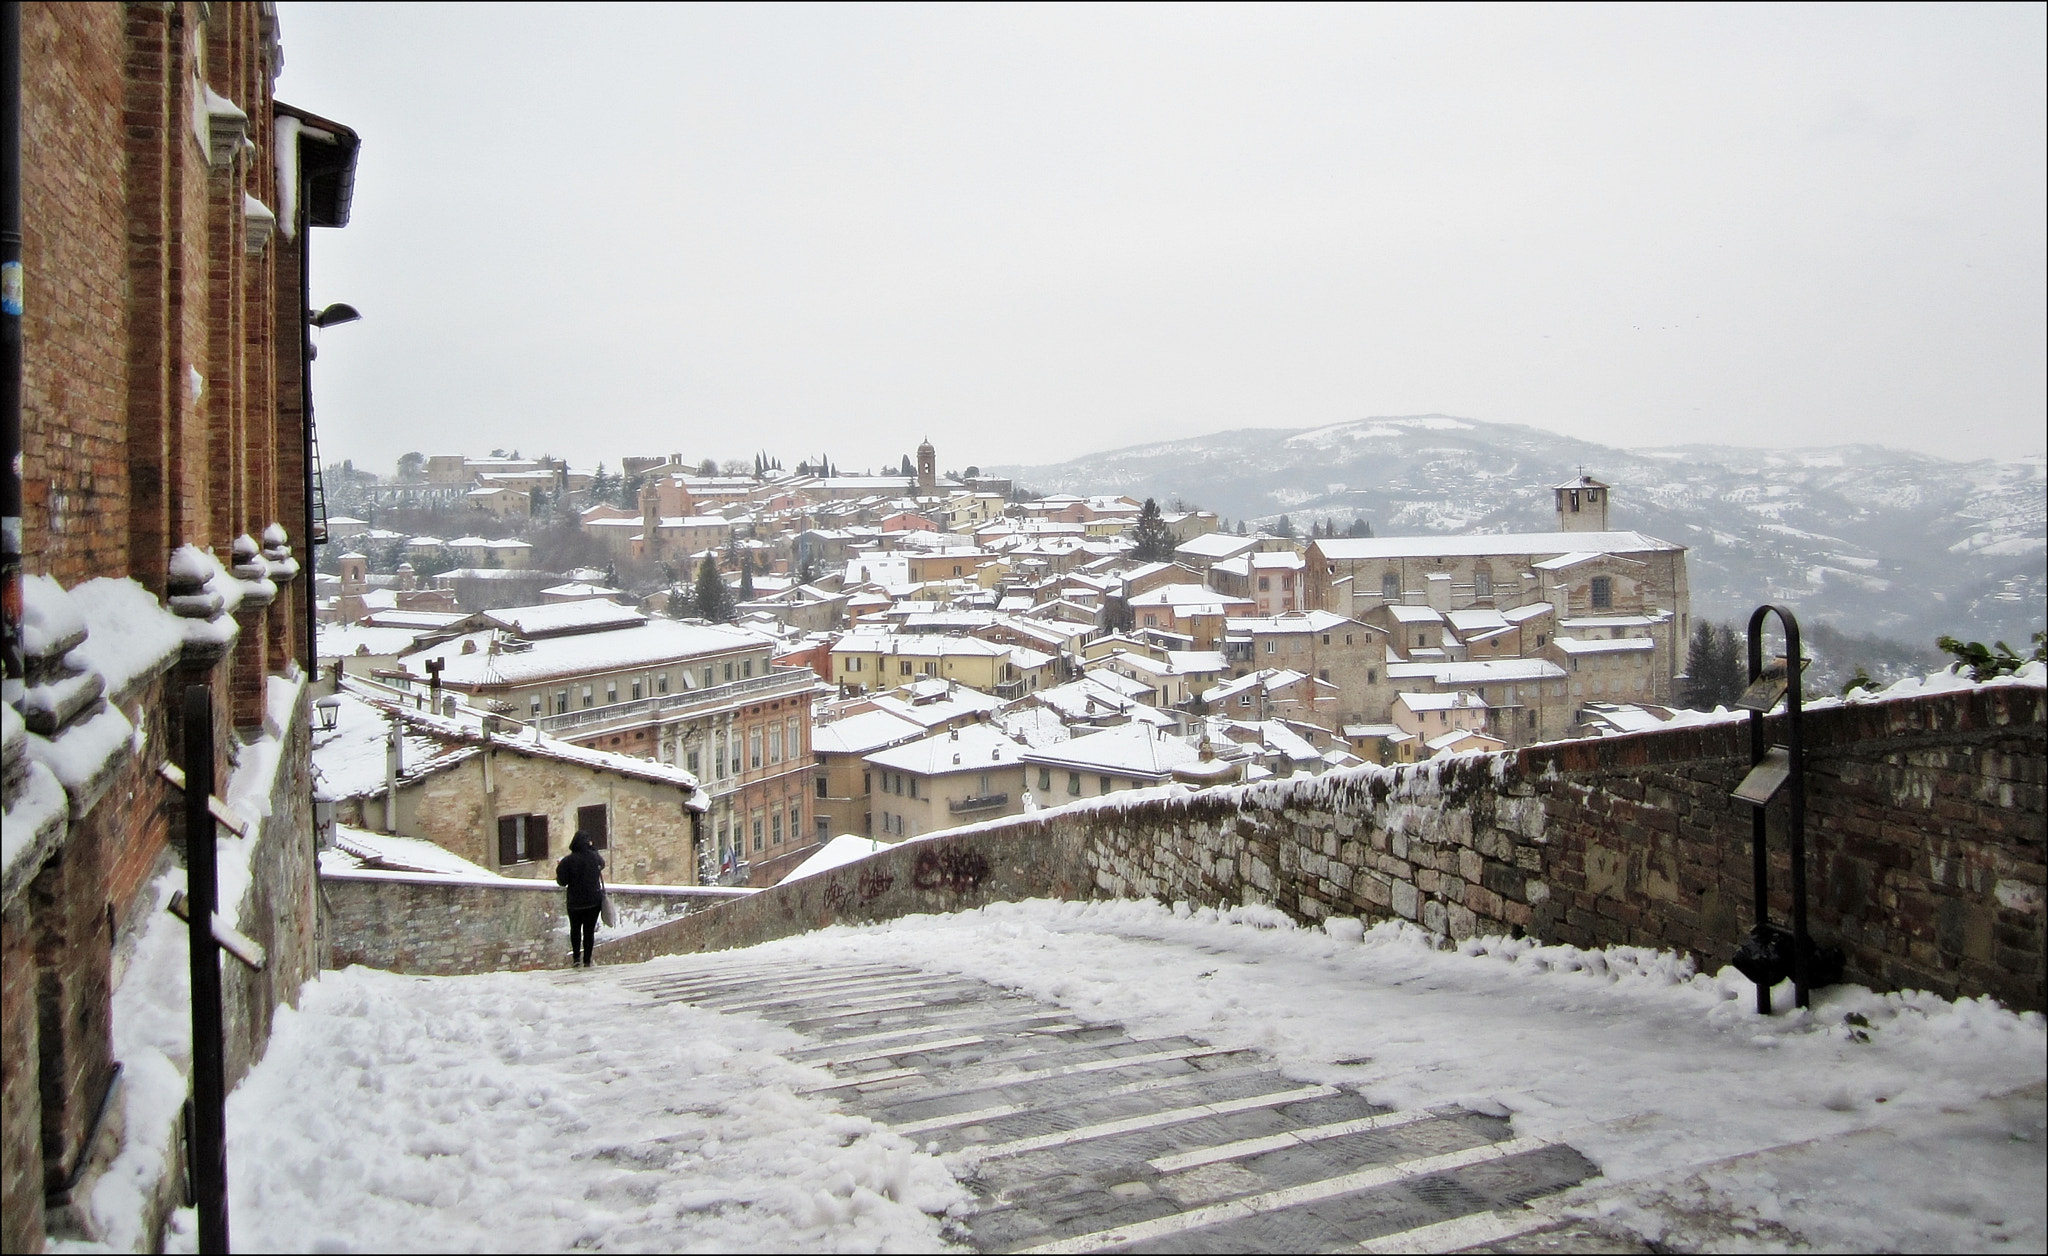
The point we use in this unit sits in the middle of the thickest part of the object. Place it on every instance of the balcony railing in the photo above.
(980, 802)
(669, 706)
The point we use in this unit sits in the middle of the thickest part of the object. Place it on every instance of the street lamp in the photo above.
(329, 711)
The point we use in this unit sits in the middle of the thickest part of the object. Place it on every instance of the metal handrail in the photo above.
(980, 802)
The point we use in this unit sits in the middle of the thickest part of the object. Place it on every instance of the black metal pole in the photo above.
(209, 1072)
(11, 662)
(1760, 859)
(1802, 946)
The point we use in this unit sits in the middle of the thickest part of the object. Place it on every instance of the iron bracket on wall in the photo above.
(1773, 952)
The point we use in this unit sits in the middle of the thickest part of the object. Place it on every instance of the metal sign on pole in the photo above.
(202, 890)
(1773, 952)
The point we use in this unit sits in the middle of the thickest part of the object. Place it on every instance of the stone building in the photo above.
(707, 698)
(1583, 571)
(508, 802)
(165, 198)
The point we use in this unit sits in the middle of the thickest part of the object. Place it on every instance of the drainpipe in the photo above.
(305, 243)
(10, 350)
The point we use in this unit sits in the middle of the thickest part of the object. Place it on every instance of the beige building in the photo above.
(970, 774)
(1330, 647)
(873, 662)
(843, 782)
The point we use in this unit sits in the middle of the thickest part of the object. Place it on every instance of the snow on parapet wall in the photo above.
(1626, 840)
(129, 635)
(48, 616)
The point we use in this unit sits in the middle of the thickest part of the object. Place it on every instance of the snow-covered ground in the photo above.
(543, 1111)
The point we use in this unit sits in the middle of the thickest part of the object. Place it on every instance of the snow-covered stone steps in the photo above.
(1077, 1136)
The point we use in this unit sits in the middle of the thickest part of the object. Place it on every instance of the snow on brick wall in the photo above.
(1925, 834)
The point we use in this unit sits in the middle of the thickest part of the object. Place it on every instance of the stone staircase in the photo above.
(1080, 1137)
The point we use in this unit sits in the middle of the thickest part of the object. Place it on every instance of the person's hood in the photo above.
(580, 843)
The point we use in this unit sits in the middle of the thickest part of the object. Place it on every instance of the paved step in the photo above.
(1076, 1136)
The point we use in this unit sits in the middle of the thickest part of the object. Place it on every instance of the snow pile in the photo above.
(49, 618)
(153, 1041)
(518, 1112)
(842, 850)
(39, 805)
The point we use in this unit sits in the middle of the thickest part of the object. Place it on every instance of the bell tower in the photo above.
(927, 469)
(1581, 505)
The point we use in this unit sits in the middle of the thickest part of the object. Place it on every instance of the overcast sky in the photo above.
(1033, 233)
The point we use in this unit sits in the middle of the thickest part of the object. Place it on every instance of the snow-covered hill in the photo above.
(1873, 540)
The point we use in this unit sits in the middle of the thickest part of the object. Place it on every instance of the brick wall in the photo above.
(21, 1116)
(74, 371)
(418, 924)
(1925, 846)
(151, 419)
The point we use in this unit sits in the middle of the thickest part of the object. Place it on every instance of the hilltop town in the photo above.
(826, 655)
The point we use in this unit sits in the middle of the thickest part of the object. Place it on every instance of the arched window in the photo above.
(1390, 587)
(1482, 582)
(1603, 593)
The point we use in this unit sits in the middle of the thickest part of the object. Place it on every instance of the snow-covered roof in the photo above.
(652, 643)
(971, 748)
(1292, 621)
(1593, 623)
(1133, 750)
(1505, 544)
(1216, 545)
(1477, 671)
(1595, 645)
(1414, 614)
(1192, 598)
(942, 708)
(863, 733)
(558, 618)
(1460, 700)
(349, 760)
(1477, 619)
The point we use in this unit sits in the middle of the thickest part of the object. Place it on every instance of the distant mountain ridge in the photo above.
(1872, 540)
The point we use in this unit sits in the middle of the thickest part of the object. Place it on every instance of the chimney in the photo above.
(1439, 592)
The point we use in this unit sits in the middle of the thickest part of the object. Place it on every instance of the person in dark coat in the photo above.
(582, 871)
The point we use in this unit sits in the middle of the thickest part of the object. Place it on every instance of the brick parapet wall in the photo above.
(1925, 840)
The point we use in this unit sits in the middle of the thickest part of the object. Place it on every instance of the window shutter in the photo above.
(508, 839)
(536, 837)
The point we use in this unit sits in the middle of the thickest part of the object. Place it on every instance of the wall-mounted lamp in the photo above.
(329, 711)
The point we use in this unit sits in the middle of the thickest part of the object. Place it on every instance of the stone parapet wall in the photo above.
(440, 926)
(1924, 829)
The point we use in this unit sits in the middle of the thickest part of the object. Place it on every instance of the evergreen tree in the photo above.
(707, 467)
(907, 471)
(747, 576)
(1284, 528)
(1359, 527)
(1154, 541)
(603, 485)
(1240, 527)
(629, 491)
(680, 604)
(611, 575)
(1716, 666)
(1117, 615)
(714, 600)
